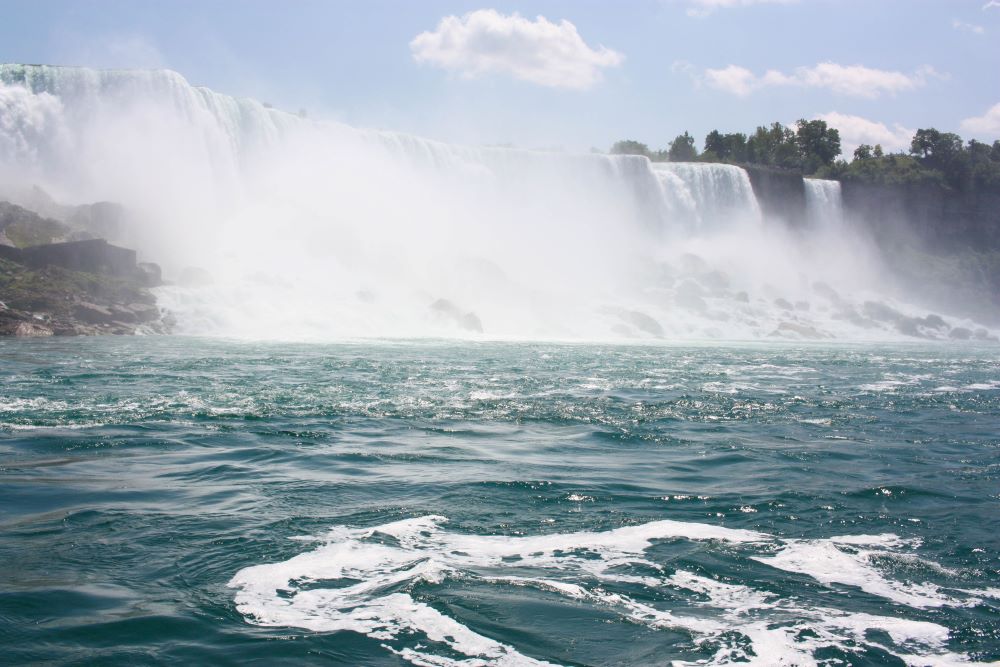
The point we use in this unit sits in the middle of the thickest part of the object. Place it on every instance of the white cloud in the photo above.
(539, 51)
(992, 4)
(733, 79)
(970, 27)
(855, 130)
(705, 7)
(987, 125)
(853, 80)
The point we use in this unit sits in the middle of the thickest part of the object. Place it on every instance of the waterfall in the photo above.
(824, 206)
(708, 196)
(313, 229)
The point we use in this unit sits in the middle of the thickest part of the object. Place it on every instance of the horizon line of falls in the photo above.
(276, 226)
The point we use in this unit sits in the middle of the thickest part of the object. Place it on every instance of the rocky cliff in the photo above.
(781, 194)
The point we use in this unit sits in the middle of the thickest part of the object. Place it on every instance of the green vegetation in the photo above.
(935, 158)
(810, 147)
(55, 290)
(682, 149)
(26, 228)
(630, 147)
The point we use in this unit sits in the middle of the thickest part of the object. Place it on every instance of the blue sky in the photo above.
(587, 74)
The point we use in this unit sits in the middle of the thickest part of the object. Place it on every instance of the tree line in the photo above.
(812, 149)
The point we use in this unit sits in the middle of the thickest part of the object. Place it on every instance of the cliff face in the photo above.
(940, 219)
(50, 285)
(781, 194)
(944, 244)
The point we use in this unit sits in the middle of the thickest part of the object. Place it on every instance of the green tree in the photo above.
(682, 149)
(774, 146)
(817, 143)
(736, 146)
(863, 152)
(936, 149)
(877, 152)
(630, 147)
(714, 144)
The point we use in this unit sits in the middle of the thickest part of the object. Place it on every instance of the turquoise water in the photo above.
(185, 501)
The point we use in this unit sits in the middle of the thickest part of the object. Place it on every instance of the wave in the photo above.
(363, 579)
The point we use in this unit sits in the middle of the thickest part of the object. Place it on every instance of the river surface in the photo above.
(188, 501)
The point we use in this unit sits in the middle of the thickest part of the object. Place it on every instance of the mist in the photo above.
(275, 226)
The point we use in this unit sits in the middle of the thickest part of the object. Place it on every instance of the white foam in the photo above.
(841, 560)
(360, 580)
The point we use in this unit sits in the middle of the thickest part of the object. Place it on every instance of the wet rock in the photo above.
(851, 315)
(714, 280)
(123, 314)
(880, 312)
(471, 322)
(92, 313)
(783, 304)
(149, 274)
(904, 324)
(984, 335)
(144, 312)
(643, 322)
(194, 276)
(803, 330)
(693, 264)
(31, 330)
(827, 292)
(742, 297)
(934, 321)
(467, 321)
(909, 326)
(690, 295)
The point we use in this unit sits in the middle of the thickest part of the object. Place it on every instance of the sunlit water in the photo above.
(185, 501)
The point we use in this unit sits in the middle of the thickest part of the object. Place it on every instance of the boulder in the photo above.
(193, 276)
(643, 322)
(784, 304)
(690, 295)
(803, 330)
(31, 330)
(467, 321)
(122, 314)
(960, 333)
(92, 313)
(149, 274)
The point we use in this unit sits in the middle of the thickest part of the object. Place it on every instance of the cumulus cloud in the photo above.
(733, 79)
(969, 27)
(701, 8)
(853, 80)
(987, 125)
(855, 130)
(540, 51)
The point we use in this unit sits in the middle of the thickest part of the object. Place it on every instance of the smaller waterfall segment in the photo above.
(707, 197)
(824, 205)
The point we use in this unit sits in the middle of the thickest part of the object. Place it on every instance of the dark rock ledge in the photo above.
(74, 288)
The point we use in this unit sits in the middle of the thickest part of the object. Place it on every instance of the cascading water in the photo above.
(314, 229)
(824, 205)
(708, 195)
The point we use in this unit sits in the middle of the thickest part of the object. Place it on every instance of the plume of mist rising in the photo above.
(312, 229)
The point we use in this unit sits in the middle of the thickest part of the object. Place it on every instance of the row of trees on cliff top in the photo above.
(809, 147)
(935, 157)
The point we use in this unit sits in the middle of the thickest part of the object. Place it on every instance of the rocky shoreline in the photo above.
(84, 286)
